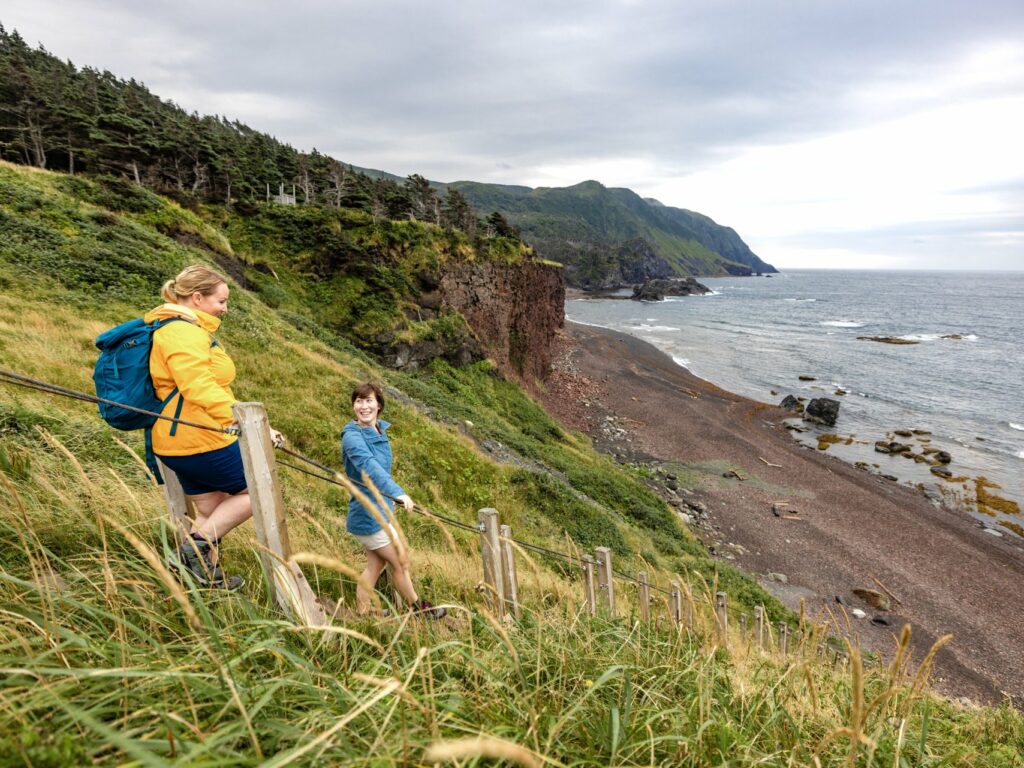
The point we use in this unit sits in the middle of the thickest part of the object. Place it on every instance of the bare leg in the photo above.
(374, 566)
(376, 560)
(218, 513)
(399, 573)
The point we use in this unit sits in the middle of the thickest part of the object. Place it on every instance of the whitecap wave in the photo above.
(681, 361)
(646, 327)
(694, 296)
(1020, 455)
(920, 336)
(841, 324)
(939, 337)
(1017, 426)
(800, 300)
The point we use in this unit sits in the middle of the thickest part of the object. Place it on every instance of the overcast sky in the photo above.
(828, 133)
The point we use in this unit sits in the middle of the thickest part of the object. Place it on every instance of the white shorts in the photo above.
(377, 540)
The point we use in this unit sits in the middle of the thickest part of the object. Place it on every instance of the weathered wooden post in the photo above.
(743, 626)
(604, 576)
(722, 614)
(675, 604)
(759, 621)
(288, 585)
(178, 509)
(687, 607)
(588, 584)
(783, 637)
(508, 573)
(644, 596)
(490, 552)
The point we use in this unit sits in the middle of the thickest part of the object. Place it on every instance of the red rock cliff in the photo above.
(514, 309)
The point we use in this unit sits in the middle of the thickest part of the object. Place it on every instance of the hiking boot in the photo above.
(196, 558)
(426, 609)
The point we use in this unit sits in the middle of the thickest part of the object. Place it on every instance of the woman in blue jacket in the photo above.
(365, 448)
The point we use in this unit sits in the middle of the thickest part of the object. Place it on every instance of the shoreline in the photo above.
(978, 483)
(853, 529)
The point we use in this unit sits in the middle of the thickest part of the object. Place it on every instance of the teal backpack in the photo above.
(122, 376)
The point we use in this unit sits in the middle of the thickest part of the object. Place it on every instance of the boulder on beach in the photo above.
(822, 410)
(790, 403)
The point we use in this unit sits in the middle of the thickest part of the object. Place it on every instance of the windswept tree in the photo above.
(424, 204)
(458, 213)
(498, 225)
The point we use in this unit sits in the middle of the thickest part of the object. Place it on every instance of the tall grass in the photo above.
(104, 657)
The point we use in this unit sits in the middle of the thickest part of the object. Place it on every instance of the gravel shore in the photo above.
(839, 528)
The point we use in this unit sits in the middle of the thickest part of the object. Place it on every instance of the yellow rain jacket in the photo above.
(185, 356)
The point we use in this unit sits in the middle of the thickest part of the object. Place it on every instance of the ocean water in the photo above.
(756, 336)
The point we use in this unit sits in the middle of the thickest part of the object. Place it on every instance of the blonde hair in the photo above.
(194, 279)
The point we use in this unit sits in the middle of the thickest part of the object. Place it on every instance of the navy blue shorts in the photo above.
(219, 470)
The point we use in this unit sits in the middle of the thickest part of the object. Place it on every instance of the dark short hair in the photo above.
(365, 390)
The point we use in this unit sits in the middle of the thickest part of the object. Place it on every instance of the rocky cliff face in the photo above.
(514, 309)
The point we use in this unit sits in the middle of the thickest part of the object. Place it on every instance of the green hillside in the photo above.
(104, 659)
(608, 237)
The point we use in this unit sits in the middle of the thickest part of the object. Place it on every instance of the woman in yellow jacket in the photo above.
(208, 463)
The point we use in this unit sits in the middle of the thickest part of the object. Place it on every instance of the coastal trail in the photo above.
(854, 529)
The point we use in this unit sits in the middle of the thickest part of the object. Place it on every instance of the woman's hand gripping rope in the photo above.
(276, 438)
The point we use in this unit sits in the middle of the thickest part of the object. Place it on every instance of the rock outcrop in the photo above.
(790, 403)
(823, 410)
(657, 290)
(514, 309)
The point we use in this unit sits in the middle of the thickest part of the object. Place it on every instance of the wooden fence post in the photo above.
(722, 614)
(490, 552)
(588, 584)
(644, 596)
(674, 604)
(604, 576)
(759, 621)
(508, 573)
(178, 508)
(687, 606)
(743, 627)
(288, 585)
(783, 637)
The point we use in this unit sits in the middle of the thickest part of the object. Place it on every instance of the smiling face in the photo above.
(366, 410)
(215, 303)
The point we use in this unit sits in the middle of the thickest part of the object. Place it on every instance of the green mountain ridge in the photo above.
(608, 237)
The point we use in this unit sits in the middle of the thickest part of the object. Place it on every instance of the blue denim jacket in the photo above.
(363, 449)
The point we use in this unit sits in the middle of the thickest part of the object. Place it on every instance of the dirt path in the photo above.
(852, 527)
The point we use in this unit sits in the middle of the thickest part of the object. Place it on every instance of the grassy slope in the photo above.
(104, 658)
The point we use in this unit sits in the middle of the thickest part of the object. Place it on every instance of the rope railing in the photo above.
(475, 529)
(499, 569)
(9, 377)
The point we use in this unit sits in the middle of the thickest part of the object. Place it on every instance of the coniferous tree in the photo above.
(500, 226)
(458, 213)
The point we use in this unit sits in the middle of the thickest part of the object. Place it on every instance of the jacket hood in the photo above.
(204, 320)
(355, 425)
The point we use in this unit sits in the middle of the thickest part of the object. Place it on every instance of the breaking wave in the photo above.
(646, 327)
